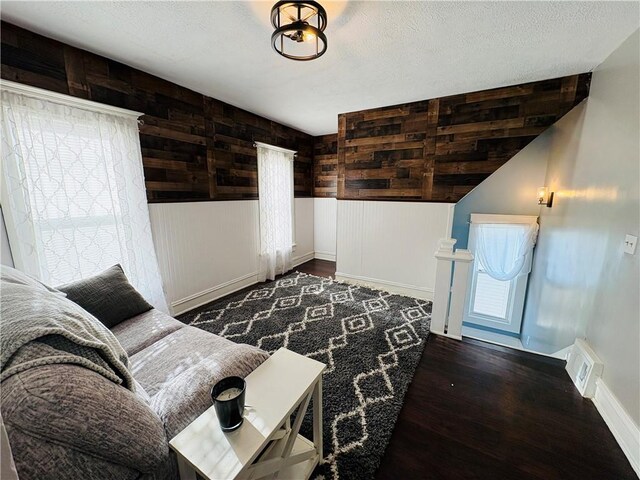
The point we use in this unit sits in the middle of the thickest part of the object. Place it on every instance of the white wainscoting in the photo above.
(205, 249)
(209, 249)
(391, 245)
(324, 231)
(304, 222)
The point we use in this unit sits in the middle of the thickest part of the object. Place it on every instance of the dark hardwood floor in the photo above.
(475, 410)
(321, 268)
(479, 411)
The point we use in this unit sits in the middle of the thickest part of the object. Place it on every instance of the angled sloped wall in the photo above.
(510, 190)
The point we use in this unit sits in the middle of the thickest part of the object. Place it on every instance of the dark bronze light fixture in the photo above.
(299, 29)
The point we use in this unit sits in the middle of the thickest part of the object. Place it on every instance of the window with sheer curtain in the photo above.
(73, 192)
(503, 253)
(275, 198)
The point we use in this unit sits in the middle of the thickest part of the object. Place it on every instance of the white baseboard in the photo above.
(560, 354)
(394, 287)
(326, 256)
(303, 258)
(196, 300)
(624, 429)
(507, 341)
(210, 294)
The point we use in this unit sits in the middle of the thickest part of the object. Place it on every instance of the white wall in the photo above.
(510, 190)
(325, 212)
(391, 245)
(209, 249)
(582, 284)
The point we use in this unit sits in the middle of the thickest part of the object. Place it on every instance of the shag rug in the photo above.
(370, 340)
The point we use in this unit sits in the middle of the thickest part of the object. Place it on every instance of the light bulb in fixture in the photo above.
(545, 197)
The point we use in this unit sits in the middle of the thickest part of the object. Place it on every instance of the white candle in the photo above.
(229, 394)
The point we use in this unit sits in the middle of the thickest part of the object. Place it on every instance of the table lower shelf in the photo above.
(302, 469)
(298, 465)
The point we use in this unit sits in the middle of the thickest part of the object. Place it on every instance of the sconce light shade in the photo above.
(545, 197)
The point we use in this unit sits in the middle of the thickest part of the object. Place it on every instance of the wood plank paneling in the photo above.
(194, 147)
(438, 150)
(325, 166)
(198, 148)
(234, 131)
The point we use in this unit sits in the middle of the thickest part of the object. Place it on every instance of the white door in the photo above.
(497, 304)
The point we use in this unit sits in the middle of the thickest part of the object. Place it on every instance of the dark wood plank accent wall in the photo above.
(438, 150)
(194, 147)
(325, 165)
(198, 148)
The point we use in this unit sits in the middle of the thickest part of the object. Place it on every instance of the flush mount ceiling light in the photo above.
(299, 29)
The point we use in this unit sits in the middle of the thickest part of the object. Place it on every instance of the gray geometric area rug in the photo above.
(370, 340)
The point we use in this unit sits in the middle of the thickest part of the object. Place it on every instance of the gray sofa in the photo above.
(66, 421)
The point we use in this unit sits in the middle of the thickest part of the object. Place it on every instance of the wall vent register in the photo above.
(584, 368)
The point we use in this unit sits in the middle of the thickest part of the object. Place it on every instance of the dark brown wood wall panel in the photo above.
(438, 150)
(194, 147)
(198, 148)
(234, 157)
(325, 166)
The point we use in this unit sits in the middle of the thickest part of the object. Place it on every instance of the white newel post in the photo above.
(459, 293)
(449, 297)
(440, 311)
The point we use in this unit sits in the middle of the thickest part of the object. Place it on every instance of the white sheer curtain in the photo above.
(275, 196)
(74, 195)
(505, 250)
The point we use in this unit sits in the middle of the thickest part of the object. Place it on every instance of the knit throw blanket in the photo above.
(38, 327)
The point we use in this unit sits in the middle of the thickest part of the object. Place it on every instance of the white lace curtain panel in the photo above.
(275, 197)
(74, 194)
(505, 250)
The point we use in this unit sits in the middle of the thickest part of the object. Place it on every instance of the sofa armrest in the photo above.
(78, 409)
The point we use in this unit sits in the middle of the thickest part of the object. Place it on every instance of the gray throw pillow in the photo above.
(108, 296)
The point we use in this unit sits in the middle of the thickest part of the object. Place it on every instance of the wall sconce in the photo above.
(545, 197)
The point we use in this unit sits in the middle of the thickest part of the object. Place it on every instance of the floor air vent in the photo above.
(584, 368)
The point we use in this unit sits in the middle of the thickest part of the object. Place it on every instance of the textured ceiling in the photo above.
(380, 53)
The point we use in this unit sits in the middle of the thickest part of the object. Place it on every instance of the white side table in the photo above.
(268, 443)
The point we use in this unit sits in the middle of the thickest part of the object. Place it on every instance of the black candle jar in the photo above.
(228, 400)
